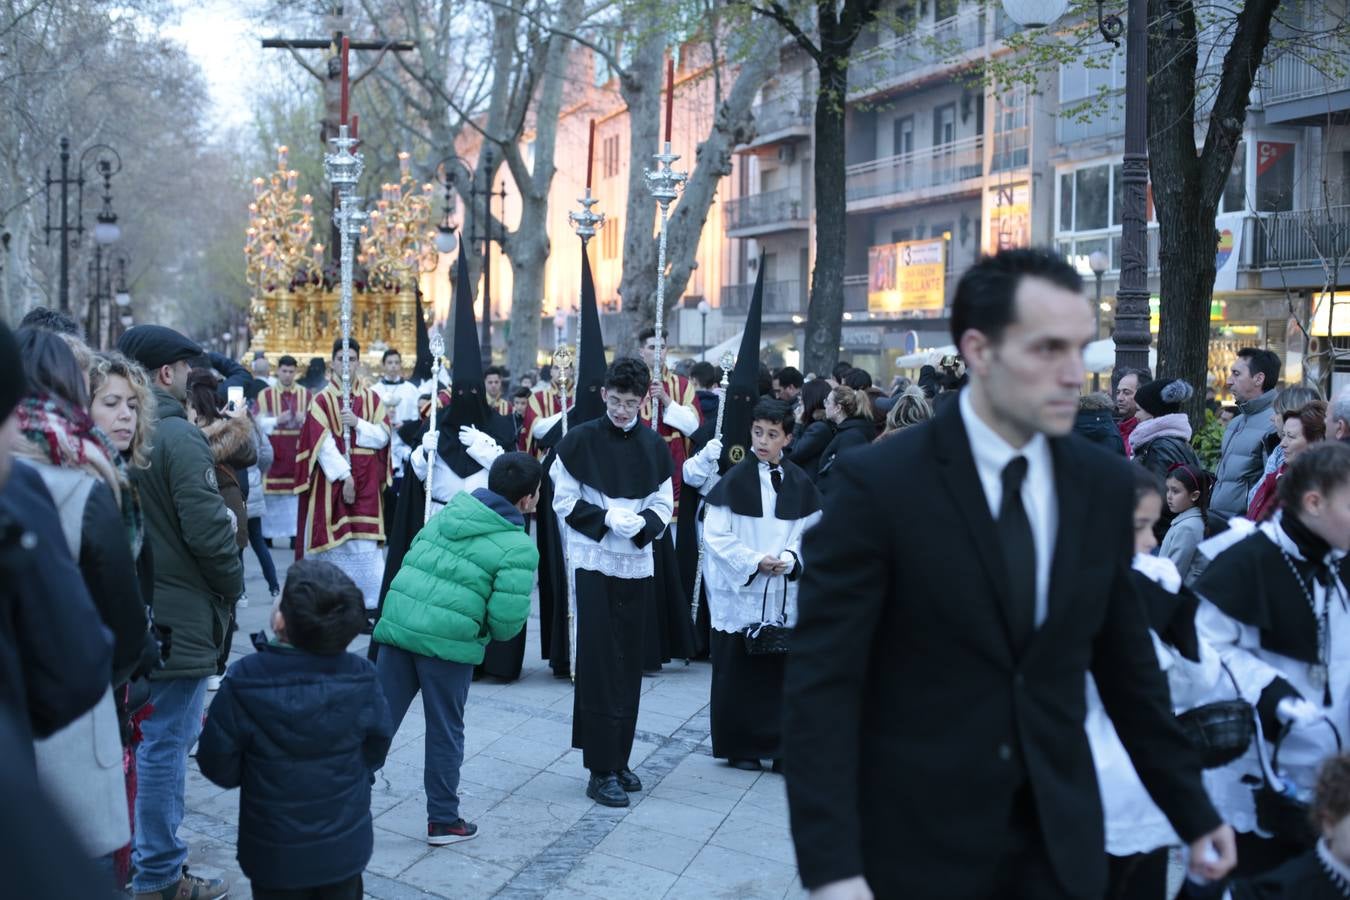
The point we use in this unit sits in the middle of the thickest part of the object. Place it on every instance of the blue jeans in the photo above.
(264, 554)
(445, 687)
(161, 770)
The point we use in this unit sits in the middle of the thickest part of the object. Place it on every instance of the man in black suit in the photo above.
(934, 713)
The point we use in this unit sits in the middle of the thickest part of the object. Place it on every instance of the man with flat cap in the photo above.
(198, 576)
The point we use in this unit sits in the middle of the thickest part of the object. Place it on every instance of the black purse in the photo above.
(1222, 731)
(768, 637)
(1285, 813)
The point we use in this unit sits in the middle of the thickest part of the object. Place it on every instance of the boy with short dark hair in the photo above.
(756, 516)
(299, 727)
(465, 580)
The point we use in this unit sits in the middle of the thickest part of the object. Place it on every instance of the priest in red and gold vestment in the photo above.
(342, 511)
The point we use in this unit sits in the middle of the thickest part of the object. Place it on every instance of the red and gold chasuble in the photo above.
(501, 406)
(541, 405)
(682, 391)
(280, 402)
(325, 519)
(424, 404)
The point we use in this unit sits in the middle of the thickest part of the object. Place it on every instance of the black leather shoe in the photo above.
(777, 767)
(745, 765)
(605, 790)
(629, 781)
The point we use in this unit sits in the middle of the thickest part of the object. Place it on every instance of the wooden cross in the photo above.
(334, 81)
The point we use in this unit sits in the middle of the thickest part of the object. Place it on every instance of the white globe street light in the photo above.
(445, 239)
(1035, 13)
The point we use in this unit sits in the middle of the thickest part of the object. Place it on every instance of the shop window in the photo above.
(1274, 176)
(1235, 189)
(1092, 198)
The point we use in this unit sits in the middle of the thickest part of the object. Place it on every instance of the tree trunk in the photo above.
(528, 247)
(1193, 182)
(641, 87)
(824, 319)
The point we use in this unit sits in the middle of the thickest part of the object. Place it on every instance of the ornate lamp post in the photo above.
(1131, 332)
(703, 309)
(105, 229)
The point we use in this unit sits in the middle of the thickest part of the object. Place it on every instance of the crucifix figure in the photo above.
(331, 77)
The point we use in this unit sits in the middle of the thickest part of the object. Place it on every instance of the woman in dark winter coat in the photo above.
(1163, 436)
(230, 434)
(813, 432)
(80, 766)
(851, 414)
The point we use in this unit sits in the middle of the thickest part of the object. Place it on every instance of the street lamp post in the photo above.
(1099, 262)
(703, 309)
(485, 341)
(1131, 332)
(109, 164)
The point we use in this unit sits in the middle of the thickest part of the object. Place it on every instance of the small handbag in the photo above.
(1222, 731)
(768, 637)
(1284, 811)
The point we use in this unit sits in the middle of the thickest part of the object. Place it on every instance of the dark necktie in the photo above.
(776, 477)
(1019, 553)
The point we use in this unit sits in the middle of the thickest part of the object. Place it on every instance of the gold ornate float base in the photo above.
(304, 323)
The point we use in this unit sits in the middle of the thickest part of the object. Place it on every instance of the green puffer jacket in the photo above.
(466, 580)
(198, 574)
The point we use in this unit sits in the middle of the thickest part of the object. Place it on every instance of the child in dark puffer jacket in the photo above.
(300, 726)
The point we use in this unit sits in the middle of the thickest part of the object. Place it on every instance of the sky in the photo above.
(220, 37)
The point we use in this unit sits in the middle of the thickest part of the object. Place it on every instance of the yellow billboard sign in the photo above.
(908, 277)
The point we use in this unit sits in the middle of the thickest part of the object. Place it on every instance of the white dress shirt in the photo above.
(992, 454)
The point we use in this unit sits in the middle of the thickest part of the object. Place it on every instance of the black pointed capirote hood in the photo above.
(468, 396)
(590, 365)
(743, 392)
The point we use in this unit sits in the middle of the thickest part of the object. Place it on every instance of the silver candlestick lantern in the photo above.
(343, 168)
(665, 185)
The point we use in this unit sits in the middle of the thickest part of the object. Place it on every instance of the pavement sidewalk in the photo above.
(699, 829)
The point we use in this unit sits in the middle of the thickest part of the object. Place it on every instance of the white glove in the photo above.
(479, 445)
(789, 561)
(624, 523)
(712, 449)
(430, 440)
(1297, 712)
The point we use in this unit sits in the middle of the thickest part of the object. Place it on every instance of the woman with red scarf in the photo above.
(80, 767)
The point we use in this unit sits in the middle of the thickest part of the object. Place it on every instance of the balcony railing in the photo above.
(782, 114)
(1310, 72)
(1305, 237)
(904, 57)
(780, 297)
(781, 207)
(931, 168)
(1105, 121)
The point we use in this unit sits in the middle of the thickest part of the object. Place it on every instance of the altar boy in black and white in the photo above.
(752, 534)
(613, 495)
(1276, 610)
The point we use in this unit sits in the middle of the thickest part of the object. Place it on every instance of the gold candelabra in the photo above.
(281, 223)
(296, 305)
(398, 241)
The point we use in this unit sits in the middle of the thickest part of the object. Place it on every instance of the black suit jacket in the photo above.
(910, 721)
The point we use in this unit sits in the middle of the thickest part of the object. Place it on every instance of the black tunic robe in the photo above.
(611, 610)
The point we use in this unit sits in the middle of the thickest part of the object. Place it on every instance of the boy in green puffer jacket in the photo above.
(466, 580)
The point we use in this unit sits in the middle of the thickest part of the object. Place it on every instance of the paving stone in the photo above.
(742, 872)
(678, 819)
(451, 873)
(653, 848)
(609, 876)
